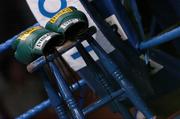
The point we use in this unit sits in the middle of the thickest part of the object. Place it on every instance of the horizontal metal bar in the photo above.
(46, 104)
(163, 38)
(35, 110)
(116, 73)
(101, 102)
(38, 63)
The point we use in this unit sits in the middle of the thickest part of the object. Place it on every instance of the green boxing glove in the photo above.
(69, 21)
(34, 42)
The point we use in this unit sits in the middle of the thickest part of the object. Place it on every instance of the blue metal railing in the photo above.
(163, 38)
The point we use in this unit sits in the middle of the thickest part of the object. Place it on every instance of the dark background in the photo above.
(15, 16)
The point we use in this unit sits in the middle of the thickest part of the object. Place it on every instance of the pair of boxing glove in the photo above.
(67, 24)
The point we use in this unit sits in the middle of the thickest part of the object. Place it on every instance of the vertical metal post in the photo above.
(129, 89)
(116, 8)
(106, 89)
(56, 100)
(66, 93)
(135, 12)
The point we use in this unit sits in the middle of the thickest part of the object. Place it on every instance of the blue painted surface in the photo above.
(168, 36)
(101, 82)
(66, 93)
(113, 69)
(35, 110)
(115, 7)
(101, 102)
(56, 100)
(137, 16)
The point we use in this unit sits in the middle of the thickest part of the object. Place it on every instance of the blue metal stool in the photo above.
(65, 90)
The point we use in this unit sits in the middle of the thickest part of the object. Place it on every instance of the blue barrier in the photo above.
(165, 37)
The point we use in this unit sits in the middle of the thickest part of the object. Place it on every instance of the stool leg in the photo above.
(100, 78)
(56, 100)
(129, 89)
(66, 93)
